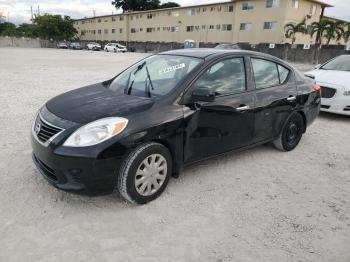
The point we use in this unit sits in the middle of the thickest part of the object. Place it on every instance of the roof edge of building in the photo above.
(157, 10)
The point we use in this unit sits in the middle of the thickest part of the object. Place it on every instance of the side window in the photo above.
(265, 73)
(284, 73)
(225, 77)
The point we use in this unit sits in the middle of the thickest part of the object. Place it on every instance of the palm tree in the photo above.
(335, 31)
(346, 34)
(292, 29)
(320, 29)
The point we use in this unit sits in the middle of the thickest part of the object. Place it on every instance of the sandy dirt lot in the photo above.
(257, 205)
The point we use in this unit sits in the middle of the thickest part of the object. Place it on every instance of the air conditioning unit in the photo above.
(306, 46)
(272, 46)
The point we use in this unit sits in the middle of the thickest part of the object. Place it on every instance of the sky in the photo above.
(19, 10)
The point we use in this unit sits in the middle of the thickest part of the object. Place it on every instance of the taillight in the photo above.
(317, 88)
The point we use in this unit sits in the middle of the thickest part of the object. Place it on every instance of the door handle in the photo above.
(291, 98)
(242, 108)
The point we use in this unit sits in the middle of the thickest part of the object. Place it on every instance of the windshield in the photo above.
(341, 63)
(154, 76)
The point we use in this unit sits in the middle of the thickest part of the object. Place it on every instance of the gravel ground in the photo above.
(257, 205)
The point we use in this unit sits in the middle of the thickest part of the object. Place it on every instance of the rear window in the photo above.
(268, 73)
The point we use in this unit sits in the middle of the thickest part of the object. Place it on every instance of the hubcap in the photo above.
(151, 175)
(292, 132)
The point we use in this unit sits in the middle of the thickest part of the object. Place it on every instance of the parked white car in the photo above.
(93, 46)
(334, 79)
(115, 47)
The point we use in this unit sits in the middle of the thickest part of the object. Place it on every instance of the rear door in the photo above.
(276, 96)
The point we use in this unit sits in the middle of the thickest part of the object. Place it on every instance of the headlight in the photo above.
(347, 93)
(96, 132)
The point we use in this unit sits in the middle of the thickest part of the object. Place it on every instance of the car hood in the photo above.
(332, 77)
(94, 102)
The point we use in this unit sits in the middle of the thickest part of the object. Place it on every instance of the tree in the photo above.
(136, 5)
(55, 27)
(335, 31)
(7, 29)
(346, 34)
(169, 5)
(320, 29)
(292, 29)
(27, 30)
(141, 5)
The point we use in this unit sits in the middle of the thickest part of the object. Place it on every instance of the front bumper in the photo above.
(79, 170)
(81, 175)
(338, 105)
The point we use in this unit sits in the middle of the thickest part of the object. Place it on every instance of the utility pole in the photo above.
(31, 13)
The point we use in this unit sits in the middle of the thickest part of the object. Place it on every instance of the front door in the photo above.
(227, 122)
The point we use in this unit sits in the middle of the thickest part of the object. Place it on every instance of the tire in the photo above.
(291, 133)
(135, 182)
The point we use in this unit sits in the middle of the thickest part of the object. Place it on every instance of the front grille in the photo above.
(328, 92)
(44, 131)
(48, 171)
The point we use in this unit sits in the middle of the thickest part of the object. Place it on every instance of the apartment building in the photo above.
(252, 21)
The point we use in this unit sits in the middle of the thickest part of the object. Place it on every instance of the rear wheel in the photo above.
(145, 173)
(291, 134)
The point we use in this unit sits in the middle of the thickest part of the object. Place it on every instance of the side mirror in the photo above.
(318, 66)
(203, 94)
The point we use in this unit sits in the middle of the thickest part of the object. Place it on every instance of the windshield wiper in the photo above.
(129, 86)
(147, 86)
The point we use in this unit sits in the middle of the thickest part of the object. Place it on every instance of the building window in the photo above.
(133, 30)
(99, 20)
(228, 8)
(219, 8)
(120, 30)
(270, 25)
(295, 4)
(99, 31)
(158, 28)
(190, 28)
(203, 27)
(212, 9)
(131, 17)
(272, 3)
(150, 29)
(121, 18)
(245, 26)
(309, 29)
(113, 19)
(204, 10)
(106, 31)
(174, 29)
(149, 16)
(113, 31)
(226, 27)
(312, 10)
(141, 29)
(218, 27)
(211, 27)
(247, 6)
(175, 14)
(191, 12)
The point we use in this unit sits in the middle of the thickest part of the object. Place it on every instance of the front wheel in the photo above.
(145, 173)
(291, 134)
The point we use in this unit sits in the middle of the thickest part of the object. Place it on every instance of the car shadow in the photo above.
(334, 117)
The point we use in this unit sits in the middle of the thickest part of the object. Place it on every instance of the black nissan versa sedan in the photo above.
(136, 130)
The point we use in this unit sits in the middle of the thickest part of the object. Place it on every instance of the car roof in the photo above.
(208, 52)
